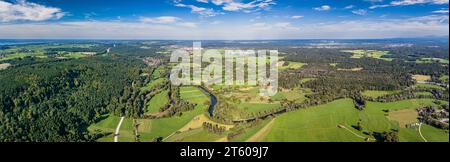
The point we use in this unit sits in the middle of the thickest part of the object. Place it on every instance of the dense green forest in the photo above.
(56, 101)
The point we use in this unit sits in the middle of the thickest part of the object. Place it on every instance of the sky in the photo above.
(222, 19)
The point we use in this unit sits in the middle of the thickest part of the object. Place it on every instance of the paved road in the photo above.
(116, 134)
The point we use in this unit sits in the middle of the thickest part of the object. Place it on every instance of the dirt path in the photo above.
(420, 132)
(261, 133)
(116, 134)
(357, 135)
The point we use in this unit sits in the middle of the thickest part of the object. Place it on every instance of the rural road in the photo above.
(116, 134)
(420, 132)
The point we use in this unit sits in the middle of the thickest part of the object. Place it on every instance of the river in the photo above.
(213, 100)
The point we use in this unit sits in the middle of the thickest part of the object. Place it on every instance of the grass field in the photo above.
(432, 60)
(198, 121)
(376, 94)
(196, 135)
(404, 117)
(157, 102)
(421, 77)
(292, 65)
(369, 53)
(352, 69)
(108, 124)
(39, 51)
(258, 107)
(153, 84)
(249, 132)
(320, 123)
(429, 86)
(429, 94)
(152, 129)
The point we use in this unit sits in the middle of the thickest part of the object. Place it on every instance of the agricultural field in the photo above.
(157, 102)
(431, 60)
(334, 121)
(428, 86)
(149, 129)
(108, 124)
(154, 84)
(369, 53)
(291, 65)
(352, 69)
(421, 78)
(45, 51)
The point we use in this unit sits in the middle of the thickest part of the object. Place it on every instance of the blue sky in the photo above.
(222, 19)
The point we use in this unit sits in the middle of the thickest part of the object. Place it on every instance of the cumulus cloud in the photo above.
(349, 7)
(188, 24)
(361, 12)
(234, 5)
(410, 2)
(27, 11)
(323, 8)
(159, 20)
(381, 28)
(442, 11)
(206, 12)
(296, 17)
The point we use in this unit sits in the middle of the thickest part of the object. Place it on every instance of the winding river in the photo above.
(213, 100)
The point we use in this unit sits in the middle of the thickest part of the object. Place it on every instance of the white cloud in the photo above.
(296, 17)
(361, 12)
(216, 22)
(442, 11)
(323, 8)
(410, 2)
(374, 0)
(380, 28)
(188, 24)
(27, 11)
(349, 7)
(159, 20)
(233, 5)
(206, 12)
(203, 1)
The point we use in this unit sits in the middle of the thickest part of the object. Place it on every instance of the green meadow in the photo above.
(368, 53)
(153, 128)
(108, 124)
(320, 123)
(157, 102)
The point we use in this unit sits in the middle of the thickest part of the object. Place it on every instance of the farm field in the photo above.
(369, 53)
(375, 94)
(293, 65)
(196, 135)
(320, 123)
(153, 84)
(153, 128)
(421, 77)
(428, 86)
(157, 102)
(431, 60)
